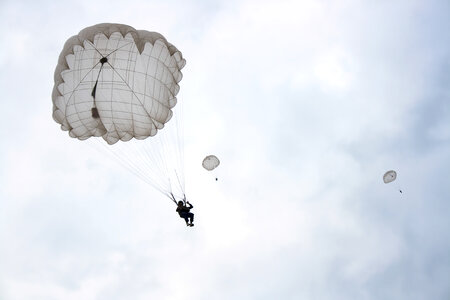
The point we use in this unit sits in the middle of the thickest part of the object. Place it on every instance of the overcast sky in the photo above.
(306, 103)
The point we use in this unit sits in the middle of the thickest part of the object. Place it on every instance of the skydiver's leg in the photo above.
(185, 217)
(191, 216)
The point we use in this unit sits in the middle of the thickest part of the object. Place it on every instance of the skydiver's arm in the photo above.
(191, 206)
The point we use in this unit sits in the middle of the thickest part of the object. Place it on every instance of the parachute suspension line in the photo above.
(123, 158)
(167, 168)
(170, 186)
(180, 150)
(125, 161)
(158, 169)
(151, 171)
(179, 183)
(167, 165)
(177, 166)
(171, 196)
(180, 144)
(159, 158)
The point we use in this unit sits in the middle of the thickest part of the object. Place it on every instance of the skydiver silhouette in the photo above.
(184, 212)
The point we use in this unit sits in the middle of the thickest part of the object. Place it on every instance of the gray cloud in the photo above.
(306, 104)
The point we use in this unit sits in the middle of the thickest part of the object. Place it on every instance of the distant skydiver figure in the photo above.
(184, 211)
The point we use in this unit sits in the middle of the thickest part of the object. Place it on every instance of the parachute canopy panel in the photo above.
(389, 176)
(116, 82)
(210, 162)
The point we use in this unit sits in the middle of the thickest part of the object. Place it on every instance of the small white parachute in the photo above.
(210, 162)
(389, 176)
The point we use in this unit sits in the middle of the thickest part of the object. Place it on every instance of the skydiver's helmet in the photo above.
(180, 203)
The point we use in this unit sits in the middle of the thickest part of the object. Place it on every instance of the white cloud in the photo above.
(334, 69)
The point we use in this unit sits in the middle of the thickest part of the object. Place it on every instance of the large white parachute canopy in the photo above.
(389, 176)
(210, 162)
(118, 83)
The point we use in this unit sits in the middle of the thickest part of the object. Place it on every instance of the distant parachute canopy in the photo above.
(210, 162)
(389, 176)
